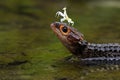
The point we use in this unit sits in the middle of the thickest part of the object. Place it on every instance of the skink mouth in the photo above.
(52, 25)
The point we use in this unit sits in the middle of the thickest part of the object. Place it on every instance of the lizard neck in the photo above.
(101, 50)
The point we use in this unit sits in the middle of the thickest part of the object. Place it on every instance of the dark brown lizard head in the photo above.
(69, 36)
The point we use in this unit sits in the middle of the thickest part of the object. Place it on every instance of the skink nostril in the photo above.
(57, 24)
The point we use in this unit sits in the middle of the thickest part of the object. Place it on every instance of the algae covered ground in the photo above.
(29, 50)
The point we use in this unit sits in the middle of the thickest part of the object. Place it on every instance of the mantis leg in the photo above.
(63, 19)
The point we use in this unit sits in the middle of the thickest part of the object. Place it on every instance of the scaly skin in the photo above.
(75, 43)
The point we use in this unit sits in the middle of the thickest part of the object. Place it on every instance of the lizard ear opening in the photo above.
(64, 30)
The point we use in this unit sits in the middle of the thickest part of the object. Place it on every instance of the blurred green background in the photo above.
(30, 51)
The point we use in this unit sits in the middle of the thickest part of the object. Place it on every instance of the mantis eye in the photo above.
(64, 30)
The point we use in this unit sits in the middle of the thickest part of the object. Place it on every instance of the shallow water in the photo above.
(30, 51)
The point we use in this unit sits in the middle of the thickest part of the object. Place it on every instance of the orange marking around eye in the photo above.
(64, 33)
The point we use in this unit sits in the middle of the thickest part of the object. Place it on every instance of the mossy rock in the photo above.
(13, 58)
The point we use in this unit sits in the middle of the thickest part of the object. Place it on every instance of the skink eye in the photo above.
(64, 30)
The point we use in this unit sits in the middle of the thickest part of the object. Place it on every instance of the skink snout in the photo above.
(52, 25)
(55, 24)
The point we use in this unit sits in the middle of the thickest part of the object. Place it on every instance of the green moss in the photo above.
(25, 35)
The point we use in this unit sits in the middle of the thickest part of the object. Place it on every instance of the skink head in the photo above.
(68, 35)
